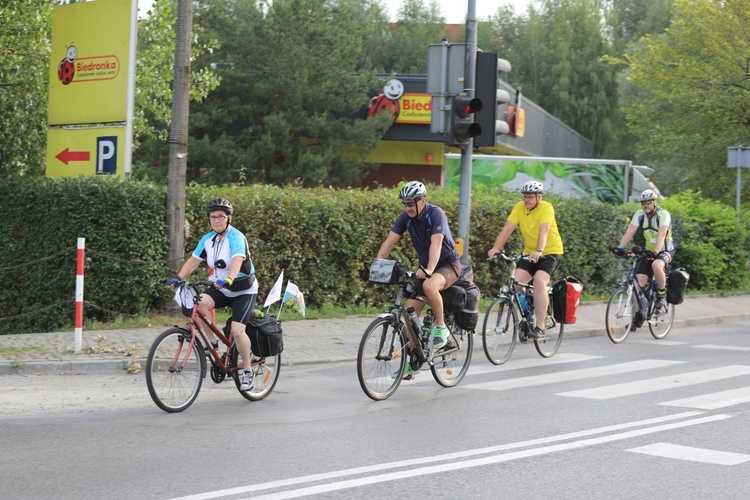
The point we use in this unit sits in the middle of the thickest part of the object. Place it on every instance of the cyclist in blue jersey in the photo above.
(656, 224)
(226, 251)
(439, 264)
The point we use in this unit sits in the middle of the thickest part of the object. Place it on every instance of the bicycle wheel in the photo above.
(266, 373)
(381, 358)
(499, 331)
(449, 365)
(661, 324)
(174, 371)
(620, 312)
(553, 335)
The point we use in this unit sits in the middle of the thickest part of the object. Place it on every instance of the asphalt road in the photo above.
(643, 419)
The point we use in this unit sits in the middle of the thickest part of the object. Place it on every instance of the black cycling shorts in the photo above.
(548, 264)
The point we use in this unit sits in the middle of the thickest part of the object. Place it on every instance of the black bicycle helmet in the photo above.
(219, 204)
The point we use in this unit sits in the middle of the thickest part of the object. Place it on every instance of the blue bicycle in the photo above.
(630, 305)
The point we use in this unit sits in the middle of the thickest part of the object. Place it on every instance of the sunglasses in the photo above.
(644, 203)
(409, 204)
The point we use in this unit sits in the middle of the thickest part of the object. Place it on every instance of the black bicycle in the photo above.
(630, 305)
(396, 337)
(505, 320)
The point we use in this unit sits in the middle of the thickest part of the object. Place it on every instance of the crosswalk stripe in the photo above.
(714, 400)
(660, 383)
(652, 341)
(513, 365)
(703, 455)
(723, 347)
(566, 376)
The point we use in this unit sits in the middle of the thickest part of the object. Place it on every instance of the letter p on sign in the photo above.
(106, 155)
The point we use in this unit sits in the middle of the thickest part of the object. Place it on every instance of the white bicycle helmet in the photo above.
(413, 190)
(648, 195)
(533, 187)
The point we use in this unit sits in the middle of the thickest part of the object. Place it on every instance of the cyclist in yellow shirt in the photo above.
(536, 220)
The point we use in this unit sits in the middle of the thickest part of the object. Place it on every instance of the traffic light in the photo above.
(487, 73)
(463, 126)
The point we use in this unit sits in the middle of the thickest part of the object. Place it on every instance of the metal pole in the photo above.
(464, 197)
(739, 183)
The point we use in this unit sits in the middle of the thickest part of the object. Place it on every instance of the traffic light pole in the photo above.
(464, 196)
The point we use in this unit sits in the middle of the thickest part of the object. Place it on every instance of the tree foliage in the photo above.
(293, 82)
(24, 78)
(556, 52)
(694, 94)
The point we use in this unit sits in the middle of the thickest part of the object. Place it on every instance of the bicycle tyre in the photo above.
(499, 331)
(661, 325)
(174, 373)
(266, 374)
(381, 358)
(619, 316)
(553, 335)
(449, 365)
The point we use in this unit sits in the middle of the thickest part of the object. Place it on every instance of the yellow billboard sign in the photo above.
(89, 66)
(86, 151)
(414, 108)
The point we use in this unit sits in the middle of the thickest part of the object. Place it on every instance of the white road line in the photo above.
(722, 347)
(566, 376)
(666, 420)
(480, 462)
(714, 400)
(660, 383)
(703, 455)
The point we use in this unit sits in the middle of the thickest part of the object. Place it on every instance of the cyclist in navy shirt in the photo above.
(439, 264)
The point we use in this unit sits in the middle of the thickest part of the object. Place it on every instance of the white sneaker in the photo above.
(246, 381)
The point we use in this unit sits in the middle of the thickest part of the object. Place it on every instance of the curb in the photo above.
(85, 366)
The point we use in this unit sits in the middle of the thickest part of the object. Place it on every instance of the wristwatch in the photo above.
(539, 250)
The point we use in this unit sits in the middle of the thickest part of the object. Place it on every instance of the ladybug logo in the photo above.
(67, 70)
(388, 100)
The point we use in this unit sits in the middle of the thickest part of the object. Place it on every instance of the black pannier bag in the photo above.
(266, 336)
(677, 281)
(454, 299)
(469, 315)
(387, 272)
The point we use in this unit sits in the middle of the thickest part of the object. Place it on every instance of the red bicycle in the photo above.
(177, 361)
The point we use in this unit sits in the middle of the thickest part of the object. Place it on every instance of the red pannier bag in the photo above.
(566, 295)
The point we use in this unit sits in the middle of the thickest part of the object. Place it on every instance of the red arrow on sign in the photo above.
(66, 156)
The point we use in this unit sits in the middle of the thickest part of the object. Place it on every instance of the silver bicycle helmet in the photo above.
(648, 195)
(413, 190)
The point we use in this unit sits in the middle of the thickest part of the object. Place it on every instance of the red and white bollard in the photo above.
(79, 295)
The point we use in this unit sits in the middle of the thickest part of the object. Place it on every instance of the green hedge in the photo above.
(323, 238)
(123, 224)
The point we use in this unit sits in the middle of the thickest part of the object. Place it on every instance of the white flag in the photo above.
(275, 294)
(296, 298)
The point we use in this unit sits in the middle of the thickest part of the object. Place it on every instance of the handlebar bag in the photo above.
(566, 295)
(387, 272)
(266, 336)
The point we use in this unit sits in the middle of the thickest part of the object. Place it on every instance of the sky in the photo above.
(453, 10)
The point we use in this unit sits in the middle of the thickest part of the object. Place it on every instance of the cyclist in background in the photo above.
(439, 264)
(225, 250)
(541, 239)
(656, 224)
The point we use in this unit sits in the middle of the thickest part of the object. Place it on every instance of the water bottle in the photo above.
(427, 326)
(525, 310)
(411, 314)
